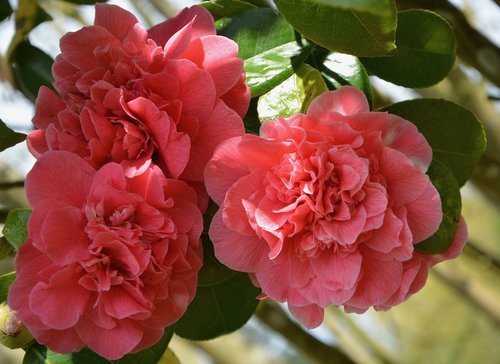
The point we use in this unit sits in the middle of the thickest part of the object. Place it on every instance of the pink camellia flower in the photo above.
(169, 94)
(110, 261)
(325, 208)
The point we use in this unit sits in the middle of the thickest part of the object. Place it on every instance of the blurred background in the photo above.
(454, 319)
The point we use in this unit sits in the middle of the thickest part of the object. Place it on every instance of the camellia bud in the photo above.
(13, 333)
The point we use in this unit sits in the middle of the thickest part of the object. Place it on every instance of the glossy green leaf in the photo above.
(270, 68)
(9, 137)
(16, 226)
(219, 309)
(212, 272)
(451, 203)
(5, 10)
(341, 69)
(223, 8)
(361, 27)
(6, 249)
(32, 69)
(455, 134)
(5, 282)
(293, 95)
(40, 354)
(258, 30)
(425, 54)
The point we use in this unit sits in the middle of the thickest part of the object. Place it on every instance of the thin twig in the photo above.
(9, 185)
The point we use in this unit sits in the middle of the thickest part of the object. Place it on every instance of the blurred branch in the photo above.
(164, 7)
(9, 185)
(272, 316)
(469, 294)
(476, 252)
(3, 215)
(487, 176)
(472, 46)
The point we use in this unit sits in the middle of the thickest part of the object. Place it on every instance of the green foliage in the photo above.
(222, 8)
(270, 68)
(5, 10)
(257, 30)
(425, 54)
(8, 137)
(212, 272)
(341, 69)
(219, 308)
(361, 27)
(85, 2)
(32, 68)
(293, 95)
(16, 227)
(455, 134)
(451, 203)
(5, 282)
(6, 249)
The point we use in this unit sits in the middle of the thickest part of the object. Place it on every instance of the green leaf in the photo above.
(212, 272)
(293, 95)
(222, 8)
(16, 226)
(341, 69)
(85, 2)
(6, 249)
(5, 282)
(169, 357)
(8, 137)
(451, 204)
(32, 69)
(219, 309)
(257, 30)
(455, 134)
(425, 54)
(270, 68)
(361, 27)
(36, 354)
(5, 10)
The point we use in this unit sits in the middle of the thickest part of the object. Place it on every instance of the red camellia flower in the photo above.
(325, 208)
(169, 94)
(110, 260)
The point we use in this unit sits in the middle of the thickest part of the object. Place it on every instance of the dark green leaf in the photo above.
(455, 134)
(32, 68)
(85, 2)
(222, 8)
(36, 354)
(6, 249)
(258, 30)
(212, 272)
(219, 309)
(361, 27)
(293, 95)
(8, 137)
(5, 282)
(341, 69)
(451, 203)
(16, 227)
(267, 70)
(5, 10)
(425, 54)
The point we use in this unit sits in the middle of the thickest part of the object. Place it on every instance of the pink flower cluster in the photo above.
(117, 192)
(325, 208)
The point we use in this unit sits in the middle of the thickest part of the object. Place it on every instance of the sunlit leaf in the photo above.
(9, 137)
(5, 282)
(341, 69)
(16, 226)
(451, 203)
(425, 54)
(267, 70)
(219, 309)
(223, 8)
(293, 95)
(455, 134)
(258, 30)
(361, 27)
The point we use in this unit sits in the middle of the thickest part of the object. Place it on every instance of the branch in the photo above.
(272, 316)
(9, 185)
(472, 47)
(476, 252)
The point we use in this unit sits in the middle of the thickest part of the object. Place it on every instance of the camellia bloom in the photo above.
(325, 208)
(169, 94)
(110, 261)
